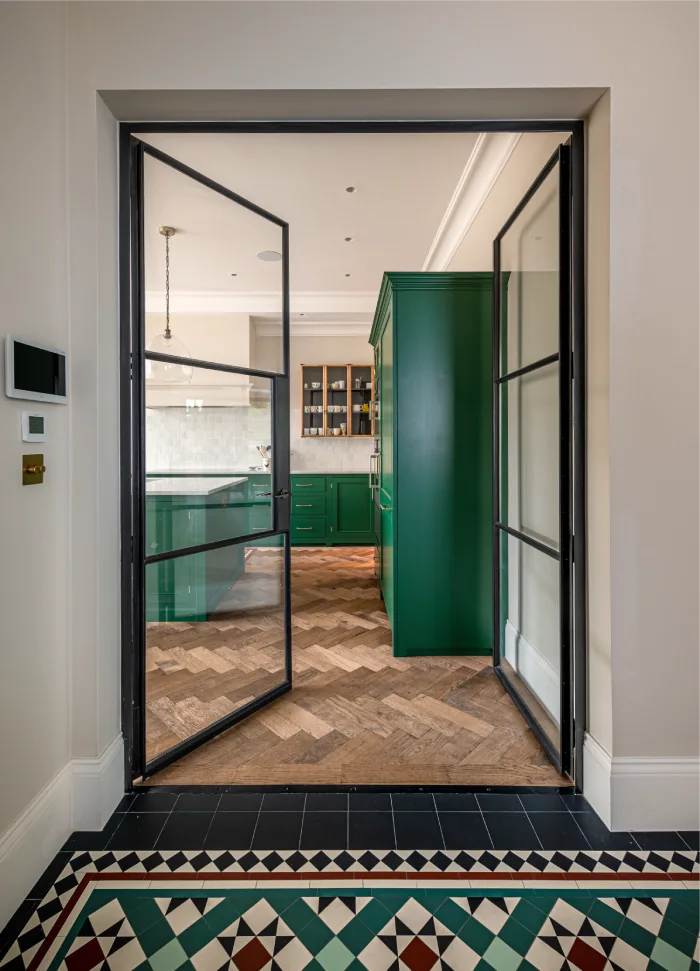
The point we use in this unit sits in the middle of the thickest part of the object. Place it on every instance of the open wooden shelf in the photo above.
(331, 406)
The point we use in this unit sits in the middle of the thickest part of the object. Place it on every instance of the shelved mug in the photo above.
(357, 408)
(343, 428)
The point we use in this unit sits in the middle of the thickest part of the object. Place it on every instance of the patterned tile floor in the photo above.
(162, 901)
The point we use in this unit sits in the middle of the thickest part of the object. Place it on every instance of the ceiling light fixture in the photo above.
(269, 256)
(348, 239)
(168, 372)
(234, 274)
(350, 188)
(348, 274)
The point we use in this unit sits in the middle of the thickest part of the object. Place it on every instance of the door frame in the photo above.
(130, 501)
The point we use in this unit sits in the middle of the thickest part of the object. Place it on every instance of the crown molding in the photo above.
(486, 162)
(254, 302)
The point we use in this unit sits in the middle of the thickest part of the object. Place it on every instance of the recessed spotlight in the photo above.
(269, 256)
(348, 274)
(350, 188)
(348, 239)
(302, 315)
(234, 274)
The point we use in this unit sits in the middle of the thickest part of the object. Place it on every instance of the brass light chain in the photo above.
(167, 287)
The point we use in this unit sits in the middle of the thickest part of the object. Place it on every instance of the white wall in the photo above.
(34, 521)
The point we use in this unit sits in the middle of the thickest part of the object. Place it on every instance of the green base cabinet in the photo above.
(331, 510)
(433, 351)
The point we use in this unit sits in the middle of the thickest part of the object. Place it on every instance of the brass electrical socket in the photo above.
(33, 469)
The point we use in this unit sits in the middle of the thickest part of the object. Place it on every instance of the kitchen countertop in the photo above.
(191, 485)
(226, 472)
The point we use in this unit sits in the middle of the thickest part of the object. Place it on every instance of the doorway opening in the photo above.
(336, 579)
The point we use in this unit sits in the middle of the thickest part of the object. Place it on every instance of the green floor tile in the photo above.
(678, 936)
(529, 916)
(142, 914)
(476, 936)
(636, 936)
(316, 934)
(335, 956)
(604, 915)
(156, 937)
(297, 916)
(501, 956)
(223, 915)
(669, 957)
(375, 915)
(516, 936)
(356, 935)
(685, 910)
(195, 937)
(168, 958)
(451, 915)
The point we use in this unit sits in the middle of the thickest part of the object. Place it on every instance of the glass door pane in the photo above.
(532, 458)
(216, 630)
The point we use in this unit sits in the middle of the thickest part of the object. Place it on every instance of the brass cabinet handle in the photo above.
(303, 527)
(304, 485)
(260, 529)
(384, 508)
(304, 505)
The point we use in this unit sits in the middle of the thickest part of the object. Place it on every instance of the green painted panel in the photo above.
(312, 504)
(311, 530)
(386, 427)
(436, 413)
(351, 510)
(387, 560)
(308, 484)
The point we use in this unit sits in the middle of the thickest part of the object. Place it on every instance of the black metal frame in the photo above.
(131, 279)
(563, 756)
(133, 444)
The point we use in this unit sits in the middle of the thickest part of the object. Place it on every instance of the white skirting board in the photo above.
(642, 794)
(82, 796)
(533, 667)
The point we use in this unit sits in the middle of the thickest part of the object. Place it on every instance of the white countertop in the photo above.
(195, 472)
(191, 486)
(330, 471)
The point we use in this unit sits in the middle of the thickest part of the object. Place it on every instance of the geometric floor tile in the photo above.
(114, 910)
(293, 928)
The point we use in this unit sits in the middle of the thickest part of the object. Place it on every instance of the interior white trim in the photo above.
(83, 795)
(262, 302)
(596, 777)
(642, 793)
(484, 165)
(534, 668)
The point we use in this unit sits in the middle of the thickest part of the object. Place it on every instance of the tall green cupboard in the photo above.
(433, 378)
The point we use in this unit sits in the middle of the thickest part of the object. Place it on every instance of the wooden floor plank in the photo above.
(356, 714)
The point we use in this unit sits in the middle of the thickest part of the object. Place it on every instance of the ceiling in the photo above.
(403, 183)
(408, 188)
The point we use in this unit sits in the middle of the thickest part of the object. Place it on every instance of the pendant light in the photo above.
(166, 372)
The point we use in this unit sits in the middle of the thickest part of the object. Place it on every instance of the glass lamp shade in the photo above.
(167, 372)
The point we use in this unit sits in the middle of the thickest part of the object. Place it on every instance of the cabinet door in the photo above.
(386, 411)
(351, 510)
(387, 562)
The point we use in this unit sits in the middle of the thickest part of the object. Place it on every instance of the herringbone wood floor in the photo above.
(356, 714)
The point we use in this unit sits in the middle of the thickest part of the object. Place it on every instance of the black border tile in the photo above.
(558, 831)
(513, 831)
(324, 831)
(498, 802)
(184, 831)
(197, 802)
(465, 831)
(452, 802)
(283, 802)
(240, 802)
(370, 801)
(371, 830)
(326, 802)
(138, 831)
(660, 841)
(231, 831)
(278, 831)
(418, 831)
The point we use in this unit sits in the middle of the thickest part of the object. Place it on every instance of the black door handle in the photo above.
(282, 494)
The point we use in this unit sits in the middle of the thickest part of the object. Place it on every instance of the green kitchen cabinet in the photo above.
(351, 510)
(330, 510)
(432, 339)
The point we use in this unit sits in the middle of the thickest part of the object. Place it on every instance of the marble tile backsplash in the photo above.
(327, 454)
(210, 438)
(226, 438)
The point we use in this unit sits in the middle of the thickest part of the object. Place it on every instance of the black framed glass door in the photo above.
(210, 458)
(533, 438)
